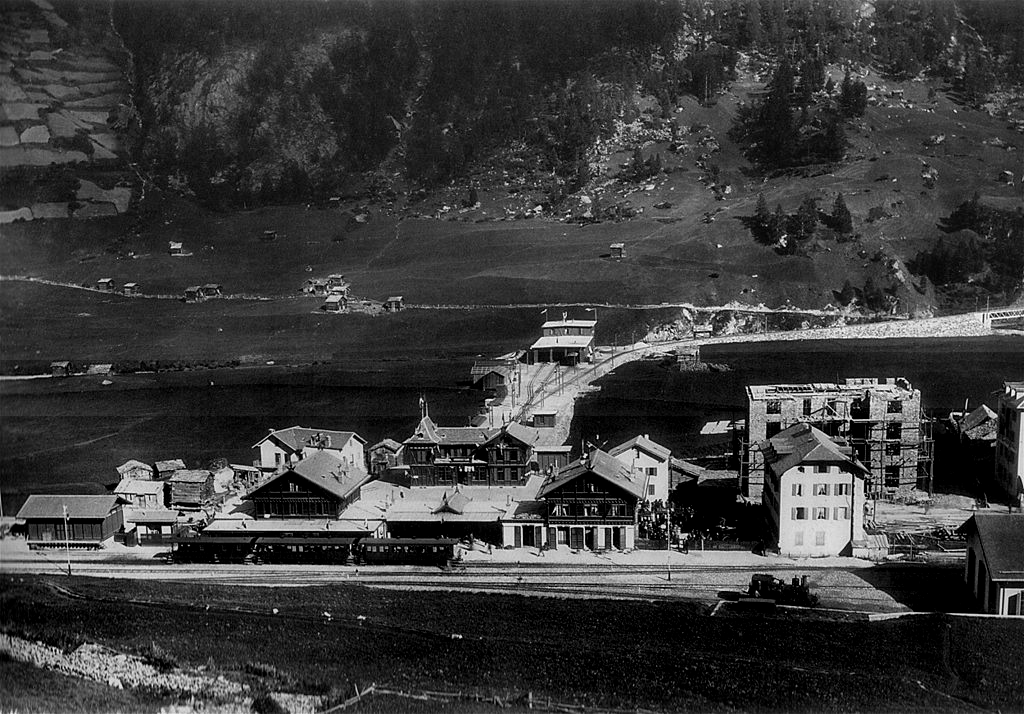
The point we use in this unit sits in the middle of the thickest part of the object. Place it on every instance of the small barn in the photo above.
(194, 293)
(131, 289)
(135, 469)
(166, 469)
(316, 286)
(384, 455)
(394, 304)
(191, 488)
(211, 290)
(491, 374)
(268, 235)
(60, 369)
(618, 250)
(177, 249)
(334, 303)
(90, 521)
(105, 284)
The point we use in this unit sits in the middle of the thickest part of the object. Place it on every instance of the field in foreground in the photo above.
(657, 655)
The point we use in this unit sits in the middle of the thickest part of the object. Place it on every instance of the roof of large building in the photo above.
(600, 464)
(805, 444)
(643, 443)
(78, 506)
(427, 432)
(526, 434)
(556, 341)
(1002, 541)
(858, 385)
(299, 437)
(550, 324)
(324, 470)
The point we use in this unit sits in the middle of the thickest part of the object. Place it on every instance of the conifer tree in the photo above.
(842, 220)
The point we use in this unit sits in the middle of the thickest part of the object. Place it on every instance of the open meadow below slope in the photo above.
(662, 655)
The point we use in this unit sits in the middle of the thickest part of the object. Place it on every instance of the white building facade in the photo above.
(284, 448)
(1010, 441)
(649, 462)
(813, 494)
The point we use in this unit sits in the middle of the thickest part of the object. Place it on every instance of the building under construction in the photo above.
(880, 419)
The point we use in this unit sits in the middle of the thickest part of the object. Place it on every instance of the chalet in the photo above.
(211, 290)
(334, 303)
(469, 456)
(141, 494)
(492, 374)
(316, 286)
(131, 289)
(165, 469)
(394, 304)
(190, 488)
(134, 469)
(565, 341)
(321, 485)
(283, 448)
(60, 369)
(618, 250)
(91, 520)
(994, 569)
(177, 250)
(813, 493)
(105, 284)
(194, 293)
(649, 461)
(591, 503)
(337, 284)
(384, 455)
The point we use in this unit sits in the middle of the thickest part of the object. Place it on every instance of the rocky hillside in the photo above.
(62, 89)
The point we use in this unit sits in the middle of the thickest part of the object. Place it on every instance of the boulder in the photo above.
(36, 135)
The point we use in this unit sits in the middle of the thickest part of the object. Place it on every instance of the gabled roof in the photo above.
(297, 438)
(455, 503)
(389, 444)
(643, 443)
(688, 469)
(568, 341)
(170, 465)
(426, 433)
(132, 464)
(520, 432)
(600, 464)
(1013, 395)
(805, 444)
(140, 486)
(1002, 542)
(190, 476)
(325, 471)
(78, 506)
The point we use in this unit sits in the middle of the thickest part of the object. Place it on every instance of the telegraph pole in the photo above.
(67, 537)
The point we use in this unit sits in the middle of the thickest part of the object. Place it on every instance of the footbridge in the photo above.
(997, 318)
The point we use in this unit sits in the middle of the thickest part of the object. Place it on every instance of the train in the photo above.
(438, 552)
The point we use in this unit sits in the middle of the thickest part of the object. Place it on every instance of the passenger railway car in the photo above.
(407, 551)
(313, 549)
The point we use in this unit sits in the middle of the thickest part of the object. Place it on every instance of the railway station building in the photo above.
(564, 341)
